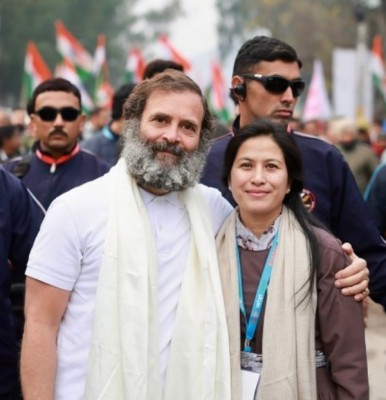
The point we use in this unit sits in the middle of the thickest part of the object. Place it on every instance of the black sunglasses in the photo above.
(49, 114)
(277, 84)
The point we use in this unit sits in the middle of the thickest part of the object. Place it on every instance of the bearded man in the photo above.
(123, 296)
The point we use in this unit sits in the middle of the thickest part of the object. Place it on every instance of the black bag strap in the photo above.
(22, 166)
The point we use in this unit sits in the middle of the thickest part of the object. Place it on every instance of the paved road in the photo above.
(376, 351)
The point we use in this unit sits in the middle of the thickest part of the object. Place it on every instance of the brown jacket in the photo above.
(339, 324)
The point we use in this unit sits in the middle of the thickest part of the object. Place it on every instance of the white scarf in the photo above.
(289, 370)
(124, 355)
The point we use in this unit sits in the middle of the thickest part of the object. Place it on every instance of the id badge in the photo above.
(250, 373)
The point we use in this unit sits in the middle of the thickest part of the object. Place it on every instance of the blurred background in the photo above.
(334, 37)
(99, 45)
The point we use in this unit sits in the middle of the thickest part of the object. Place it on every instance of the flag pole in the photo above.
(360, 15)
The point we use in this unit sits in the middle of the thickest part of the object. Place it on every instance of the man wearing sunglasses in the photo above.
(267, 82)
(57, 164)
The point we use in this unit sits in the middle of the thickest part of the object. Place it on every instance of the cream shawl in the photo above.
(124, 354)
(289, 331)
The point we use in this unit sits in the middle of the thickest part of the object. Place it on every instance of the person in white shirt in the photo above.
(123, 295)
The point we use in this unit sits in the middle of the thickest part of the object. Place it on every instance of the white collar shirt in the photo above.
(170, 226)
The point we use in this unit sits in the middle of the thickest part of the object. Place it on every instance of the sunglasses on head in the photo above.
(49, 114)
(277, 84)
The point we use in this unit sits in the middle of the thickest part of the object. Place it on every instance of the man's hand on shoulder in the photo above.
(354, 279)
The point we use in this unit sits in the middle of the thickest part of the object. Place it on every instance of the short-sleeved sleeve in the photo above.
(56, 255)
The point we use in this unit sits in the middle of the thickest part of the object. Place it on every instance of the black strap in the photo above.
(22, 166)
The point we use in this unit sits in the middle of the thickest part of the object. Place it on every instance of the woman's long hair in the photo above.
(277, 131)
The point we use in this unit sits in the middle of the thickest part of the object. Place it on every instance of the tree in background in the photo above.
(314, 29)
(24, 20)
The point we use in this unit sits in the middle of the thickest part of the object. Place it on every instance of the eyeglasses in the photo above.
(49, 114)
(277, 84)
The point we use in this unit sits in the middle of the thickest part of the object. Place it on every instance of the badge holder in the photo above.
(251, 365)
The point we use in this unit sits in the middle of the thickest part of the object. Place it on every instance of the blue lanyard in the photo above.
(251, 325)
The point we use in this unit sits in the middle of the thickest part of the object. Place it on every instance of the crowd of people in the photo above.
(168, 260)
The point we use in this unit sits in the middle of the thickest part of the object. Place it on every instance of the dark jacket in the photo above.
(47, 186)
(105, 144)
(375, 197)
(20, 219)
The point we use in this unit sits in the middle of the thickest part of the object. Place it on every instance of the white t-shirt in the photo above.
(68, 252)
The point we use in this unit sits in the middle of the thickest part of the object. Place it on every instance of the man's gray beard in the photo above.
(141, 162)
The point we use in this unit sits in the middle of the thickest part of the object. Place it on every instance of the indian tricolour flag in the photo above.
(171, 53)
(67, 70)
(216, 94)
(71, 49)
(35, 71)
(378, 66)
(135, 66)
(103, 91)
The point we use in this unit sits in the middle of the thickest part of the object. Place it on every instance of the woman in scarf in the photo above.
(293, 333)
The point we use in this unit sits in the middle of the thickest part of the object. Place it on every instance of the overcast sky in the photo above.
(194, 32)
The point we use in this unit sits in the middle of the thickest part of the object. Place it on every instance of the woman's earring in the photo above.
(288, 190)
